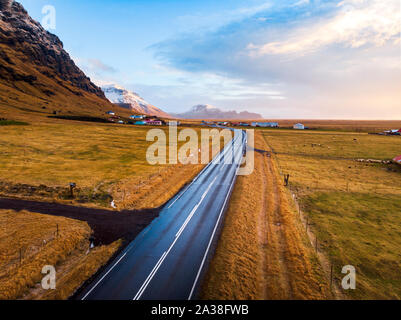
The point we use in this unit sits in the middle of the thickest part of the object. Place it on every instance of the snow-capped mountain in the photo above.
(131, 100)
(206, 111)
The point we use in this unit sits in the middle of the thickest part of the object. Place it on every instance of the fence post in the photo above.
(286, 179)
(316, 244)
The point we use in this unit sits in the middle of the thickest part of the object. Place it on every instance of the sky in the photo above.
(287, 59)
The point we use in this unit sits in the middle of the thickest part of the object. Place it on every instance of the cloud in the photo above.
(100, 66)
(321, 59)
(301, 2)
(358, 23)
(95, 68)
(214, 19)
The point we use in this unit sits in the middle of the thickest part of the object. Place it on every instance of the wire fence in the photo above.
(332, 270)
(13, 258)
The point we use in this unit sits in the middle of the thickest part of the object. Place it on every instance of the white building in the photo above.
(299, 126)
(137, 117)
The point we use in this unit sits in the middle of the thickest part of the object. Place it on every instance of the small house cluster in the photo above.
(219, 123)
(139, 120)
(243, 124)
(397, 159)
(393, 132)
(265, 124)
(299, 126)
(137, 117)
(149, 122)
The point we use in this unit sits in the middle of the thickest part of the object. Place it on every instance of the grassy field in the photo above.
(364, 126)
(106, 161)
(29, 241)
(335, 145)
(344, 125)
(353, 207)
(263, 252)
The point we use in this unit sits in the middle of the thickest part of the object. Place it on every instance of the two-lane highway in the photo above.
(167, 260)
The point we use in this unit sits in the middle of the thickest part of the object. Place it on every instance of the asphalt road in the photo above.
(168, 259)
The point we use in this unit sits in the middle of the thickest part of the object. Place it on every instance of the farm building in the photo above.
(393, 132)
(111, 113)
(136, 117)
(140, 123)
(154, 123)
(265, 124)
(299, 126)
(174, 123)
(397, 159)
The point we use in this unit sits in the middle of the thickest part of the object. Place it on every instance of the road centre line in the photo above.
(217, 158)
(211, 238)
(165, 254)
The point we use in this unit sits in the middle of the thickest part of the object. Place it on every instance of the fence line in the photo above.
(11, 260)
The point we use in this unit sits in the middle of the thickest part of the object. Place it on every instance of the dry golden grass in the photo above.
(333, 145)
(327, 125)
(154, 190)
(353, 207)
(344, 125)
(263, 252)
(33, 100)
(73, 272)
(35, 235)
(105, 161)
(88, 154)
(235, 271)
(298, 274)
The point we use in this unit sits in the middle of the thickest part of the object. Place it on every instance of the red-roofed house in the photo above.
(397, 159)
(154, 123)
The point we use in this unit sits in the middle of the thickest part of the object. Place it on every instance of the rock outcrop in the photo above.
(27, 37)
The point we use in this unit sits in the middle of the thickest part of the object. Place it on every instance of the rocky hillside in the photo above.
(132, 101)
(36, 73)
(210, 112)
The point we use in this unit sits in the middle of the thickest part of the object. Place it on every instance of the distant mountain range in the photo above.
(38, 77)
(131, 100)
(210, 112)
(36, 73)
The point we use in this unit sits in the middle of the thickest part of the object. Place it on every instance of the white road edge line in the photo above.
(89, 292)
(119, 260)
(196, 178)
(212, 237)
(214, 161)
(154, 270)
(165, 254)
(195, 208)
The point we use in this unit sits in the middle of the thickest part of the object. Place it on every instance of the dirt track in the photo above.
(290, 269)
(108, 226)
